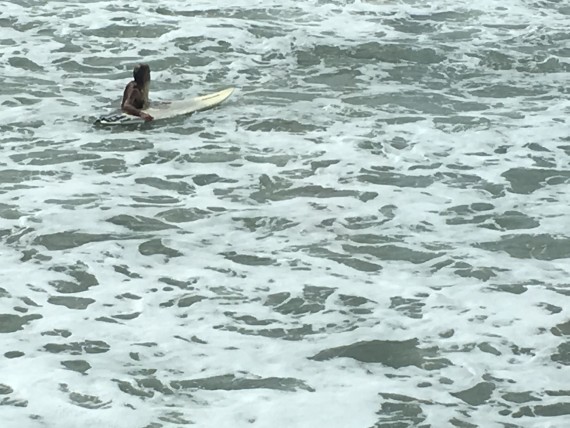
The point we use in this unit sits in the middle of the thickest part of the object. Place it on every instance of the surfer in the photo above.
(135, 97)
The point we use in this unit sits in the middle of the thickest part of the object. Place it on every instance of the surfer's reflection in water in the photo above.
(135, 97)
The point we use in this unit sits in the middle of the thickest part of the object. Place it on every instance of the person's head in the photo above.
(141, 74)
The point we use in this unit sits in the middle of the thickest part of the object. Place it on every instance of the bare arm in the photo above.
(130, 97)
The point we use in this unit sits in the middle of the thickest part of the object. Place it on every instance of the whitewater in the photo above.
(372, 231)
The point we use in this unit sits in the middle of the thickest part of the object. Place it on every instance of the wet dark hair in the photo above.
(141, 73)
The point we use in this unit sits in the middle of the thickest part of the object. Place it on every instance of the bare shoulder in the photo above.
(131, 94)
(131, 88)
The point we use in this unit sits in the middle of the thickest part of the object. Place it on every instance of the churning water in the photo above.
(371, 232)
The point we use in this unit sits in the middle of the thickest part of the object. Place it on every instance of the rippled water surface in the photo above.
(371, 232)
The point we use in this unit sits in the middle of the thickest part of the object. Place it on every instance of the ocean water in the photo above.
(371, 232)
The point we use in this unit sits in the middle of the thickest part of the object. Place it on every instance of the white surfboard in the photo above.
(168, 110)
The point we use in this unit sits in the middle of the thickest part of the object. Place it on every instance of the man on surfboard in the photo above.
(135, 97)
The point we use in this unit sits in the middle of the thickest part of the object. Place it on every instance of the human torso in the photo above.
(136, 96)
